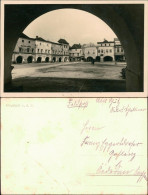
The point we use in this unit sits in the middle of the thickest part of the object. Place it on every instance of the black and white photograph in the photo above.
(80, 48)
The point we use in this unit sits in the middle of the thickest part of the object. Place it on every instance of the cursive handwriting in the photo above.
(119, 169)
(88, 127)
(112, 148)
(126, 109)
(77, 103)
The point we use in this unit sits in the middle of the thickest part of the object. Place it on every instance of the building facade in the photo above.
(118, 50)
(24, 50)
(105, 51)
(76, 53)
(28, 50)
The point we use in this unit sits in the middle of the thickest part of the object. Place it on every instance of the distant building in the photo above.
(90, 52)
(24, 51)
(28, 50)
(42, 50)
(118, 50)
(105, 51)
(65, 47)
(76, 53)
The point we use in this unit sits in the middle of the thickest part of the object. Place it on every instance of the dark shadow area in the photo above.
(46, 84)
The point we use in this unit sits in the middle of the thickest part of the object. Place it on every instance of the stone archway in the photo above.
(108, 59)
(89, 59)
(128, 28)
(39, 60)
(29, 59)
(47, 59)
(19, 59)
(54, 59)
(60, 59)
(98, 59)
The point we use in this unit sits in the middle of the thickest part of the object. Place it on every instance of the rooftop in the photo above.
(63, 41)
(76, 46)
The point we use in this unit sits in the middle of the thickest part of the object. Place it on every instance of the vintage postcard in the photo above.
(74, 97)
(74, 48)
(74, 146)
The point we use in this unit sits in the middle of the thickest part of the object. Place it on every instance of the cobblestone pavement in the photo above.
(70, 70)
(67, 77)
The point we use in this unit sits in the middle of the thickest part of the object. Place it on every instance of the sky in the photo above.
(76, 26)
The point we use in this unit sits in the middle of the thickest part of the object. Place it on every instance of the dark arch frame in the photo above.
(119, 17)
(19, 59)
(89, 59)
(98, 59)
(47, 59)
(30, 59)
(39, 59)
(108, 59)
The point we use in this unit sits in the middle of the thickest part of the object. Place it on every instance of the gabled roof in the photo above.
(40, 39)
(63, 41)
(24, 36)
(76, 46)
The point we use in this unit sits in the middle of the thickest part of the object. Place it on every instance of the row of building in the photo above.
(28, 50)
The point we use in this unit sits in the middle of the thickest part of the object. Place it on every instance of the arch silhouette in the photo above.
(39, 59)
(19, 59)
(120, 18)
(29, 59)
(89, 59)
(98, 58)
(47, 59)
(60, 59)
(108, 58)
(54, 59)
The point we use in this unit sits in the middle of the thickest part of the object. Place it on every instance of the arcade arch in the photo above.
(128, 28)
(39, 59)
(19, 59)
(108, 58)
(29, 59)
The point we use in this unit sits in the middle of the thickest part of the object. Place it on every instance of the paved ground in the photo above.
(68, 77)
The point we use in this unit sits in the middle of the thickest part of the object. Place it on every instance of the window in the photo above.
(105, 44)
(20, 49)
(109, 44)
(121, 50)
(78, 54)
(110, 50)
(101, 50)
(88, 52)
(22, 40)
(117, 49)
(41, 50)
(75, 49)
(28, 41)
(107, 51)
(38, 50)
(32, 50)
(48, 51)
(40, 43)
(28, 50)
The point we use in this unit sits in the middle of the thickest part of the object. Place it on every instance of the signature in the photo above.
(88, 127)
(119, 170)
